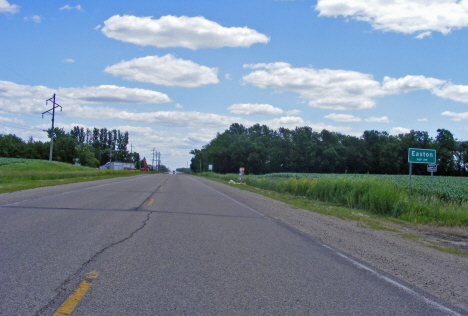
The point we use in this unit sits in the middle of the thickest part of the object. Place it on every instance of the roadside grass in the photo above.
(22, 174)
(376, 196)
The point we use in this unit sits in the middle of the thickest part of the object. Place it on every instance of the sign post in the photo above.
(417, 155)
(431, 167)
(241, 174)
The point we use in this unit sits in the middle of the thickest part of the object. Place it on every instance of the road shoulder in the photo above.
(441, 274)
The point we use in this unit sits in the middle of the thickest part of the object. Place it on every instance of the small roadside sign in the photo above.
(417, 155)
(241, 174)
(431, 167)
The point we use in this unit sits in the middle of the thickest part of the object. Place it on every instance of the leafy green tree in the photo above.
(86, 156)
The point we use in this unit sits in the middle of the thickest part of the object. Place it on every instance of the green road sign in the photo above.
(417, 155)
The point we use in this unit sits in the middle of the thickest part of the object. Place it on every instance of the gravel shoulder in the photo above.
(441, 274)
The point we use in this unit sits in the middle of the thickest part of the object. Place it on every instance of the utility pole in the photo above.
(159, 160)
(53, 117)
(152, 163)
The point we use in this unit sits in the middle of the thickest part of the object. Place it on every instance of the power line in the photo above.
(18, 74)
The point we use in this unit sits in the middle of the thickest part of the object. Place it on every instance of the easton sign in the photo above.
(417, 155)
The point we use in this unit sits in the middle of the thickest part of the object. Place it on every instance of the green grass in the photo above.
(376, 195)
(22, 174)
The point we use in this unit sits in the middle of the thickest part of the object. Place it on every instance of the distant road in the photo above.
(172, 245)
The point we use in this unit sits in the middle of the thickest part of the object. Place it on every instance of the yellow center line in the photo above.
(69, 305)
(150, 202)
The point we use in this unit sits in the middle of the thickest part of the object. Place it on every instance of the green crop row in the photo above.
(376, 194)
(449, 189)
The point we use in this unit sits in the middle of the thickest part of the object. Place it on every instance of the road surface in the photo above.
(172, 245)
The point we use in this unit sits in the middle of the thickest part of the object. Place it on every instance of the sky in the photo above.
(175, 73)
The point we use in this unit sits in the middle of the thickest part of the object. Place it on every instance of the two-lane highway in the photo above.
(171, 244)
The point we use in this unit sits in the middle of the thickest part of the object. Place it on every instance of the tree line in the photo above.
(261, 150)
(93, 147)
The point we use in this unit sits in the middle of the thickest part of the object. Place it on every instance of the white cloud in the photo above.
(114, 94)
(97, 27)
(254, 109)
(399, 130)
(5, 7)
(166, 70)
(228, 77)
(202, 136)
(343, 89)
(68, 7)
(34, 18)
(179, 106)
(454, 92)
(326, 88)
(422, 120)
(23, 99)
(407, 17)
(330, 128)
(410, 83)
(456, 116)
(286, 121)
(68, 60)
(293, 112)
(343, 118)
(373, 119)
(171, 31)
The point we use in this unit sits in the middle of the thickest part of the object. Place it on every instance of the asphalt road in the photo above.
(172, 245)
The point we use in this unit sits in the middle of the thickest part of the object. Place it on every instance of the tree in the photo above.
(86, 156)
(446, 149)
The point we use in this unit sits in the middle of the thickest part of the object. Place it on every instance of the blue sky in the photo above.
(174, 73)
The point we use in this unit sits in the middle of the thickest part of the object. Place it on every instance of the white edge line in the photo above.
(360, 265)
(395, 283)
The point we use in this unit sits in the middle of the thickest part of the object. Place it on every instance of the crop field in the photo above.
(450, 189)
(386, 195)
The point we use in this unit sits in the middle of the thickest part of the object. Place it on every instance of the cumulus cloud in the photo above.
(344, 89)
(34, 18)
(293, 112)
(399, 130)
(453, 92)
(166, 70)
(68, 7)
(179, 106)
(254, 109)
(343, 118)
(456, 116)
(171, 31)
(410, 83)
(25, 99)
(407, 17)
(69, 60)
(6, 7)
(373, 119)
(326, 88)
(97, 27)
(114, 94)
(331, 128)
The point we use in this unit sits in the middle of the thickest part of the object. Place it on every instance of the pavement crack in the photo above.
(62, 288)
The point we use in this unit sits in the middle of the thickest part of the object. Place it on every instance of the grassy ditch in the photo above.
(377, 196)
(22, 174)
